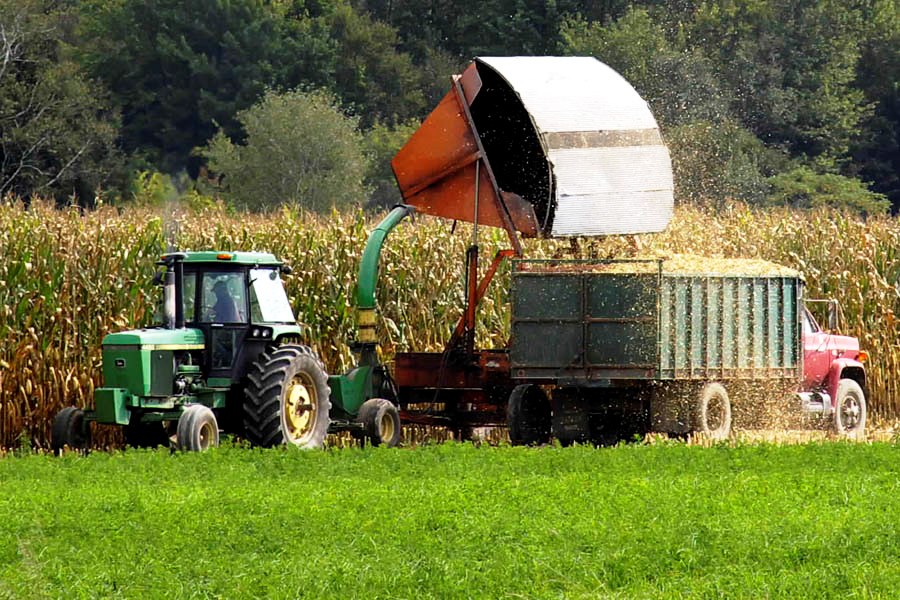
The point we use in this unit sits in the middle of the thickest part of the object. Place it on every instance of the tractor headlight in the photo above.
(261, 332)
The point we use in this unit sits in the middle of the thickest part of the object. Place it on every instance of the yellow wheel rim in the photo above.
(300, 407)
(386, 426)
(205, 435)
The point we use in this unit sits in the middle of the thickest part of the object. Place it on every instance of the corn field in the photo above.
(69, 277)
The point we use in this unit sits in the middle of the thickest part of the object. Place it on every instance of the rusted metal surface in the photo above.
(458, 390)
(443, 169)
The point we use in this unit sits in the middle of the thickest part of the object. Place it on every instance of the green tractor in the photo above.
(228, 357)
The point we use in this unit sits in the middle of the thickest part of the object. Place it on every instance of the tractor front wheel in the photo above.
(381, 422)
(287, 399)
(70, 430)
(197, 430)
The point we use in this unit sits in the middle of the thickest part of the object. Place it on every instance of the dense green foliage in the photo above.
(454, 521)
(57, 130)
(298, 149)
(755, 88)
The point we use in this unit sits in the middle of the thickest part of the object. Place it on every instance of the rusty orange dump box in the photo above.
(551, 146)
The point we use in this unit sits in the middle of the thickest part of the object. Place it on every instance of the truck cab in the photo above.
(834, 377)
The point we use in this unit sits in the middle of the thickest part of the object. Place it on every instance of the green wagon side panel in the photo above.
(597, 324)
(729, 327)
(547, 328)
(621, 321)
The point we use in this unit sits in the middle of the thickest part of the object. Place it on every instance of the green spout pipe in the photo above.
(368, 266)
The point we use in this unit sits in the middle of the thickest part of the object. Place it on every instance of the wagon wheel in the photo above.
(712, 412)
(287, 399)
(528, 416)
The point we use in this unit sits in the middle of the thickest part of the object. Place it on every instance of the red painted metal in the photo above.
(465, 324)
(443, 169)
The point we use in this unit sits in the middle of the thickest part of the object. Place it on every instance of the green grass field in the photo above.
(455, 521)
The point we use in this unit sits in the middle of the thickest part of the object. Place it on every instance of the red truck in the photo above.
(833, 371)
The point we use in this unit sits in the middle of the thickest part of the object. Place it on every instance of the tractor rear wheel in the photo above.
(198, 429)
(850, 409)
(712, 412)
(528, 416)
(381, 422)
(70, 430)
(287, 399)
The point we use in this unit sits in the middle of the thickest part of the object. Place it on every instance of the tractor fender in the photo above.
(844, 368)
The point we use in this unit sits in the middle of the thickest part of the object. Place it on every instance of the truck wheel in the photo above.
(287, 399)
(381, 422)
(528, 416)
(850, 410)
(70, 430)
(712, 413)
(197, 430)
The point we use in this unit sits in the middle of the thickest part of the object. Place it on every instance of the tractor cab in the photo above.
(236, 299)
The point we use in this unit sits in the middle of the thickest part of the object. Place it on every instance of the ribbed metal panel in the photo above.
(573, 93)
(576, 324)
(612, 172)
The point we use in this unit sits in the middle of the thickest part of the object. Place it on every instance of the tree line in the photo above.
(261, 102)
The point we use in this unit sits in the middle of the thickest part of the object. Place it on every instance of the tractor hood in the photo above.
(544, 145)
(157, 339)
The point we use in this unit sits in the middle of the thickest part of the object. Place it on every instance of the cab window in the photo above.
(189, 297)
(808, 322)
(222, 298)
(268, 300)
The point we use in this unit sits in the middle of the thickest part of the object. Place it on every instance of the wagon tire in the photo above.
(381, 422)
(197, 430)
(287, 399)
(70, 430)
(712, 412)
(528, 416)
(850, 410)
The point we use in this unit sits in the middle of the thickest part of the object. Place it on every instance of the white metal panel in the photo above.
(611, 214)
(581, 171)
(573, 93)
(616, 176)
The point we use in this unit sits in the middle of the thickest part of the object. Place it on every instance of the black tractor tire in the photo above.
(70, 430)
(712, 412)
(528, 416)
(850, 410)
(197, 430)
(381, 422)
(287, 399)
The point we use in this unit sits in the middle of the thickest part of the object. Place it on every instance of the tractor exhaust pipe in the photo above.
(179, 293)
(173, 289)
(169, 300)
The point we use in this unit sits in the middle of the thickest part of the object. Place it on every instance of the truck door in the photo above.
(816, 352)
